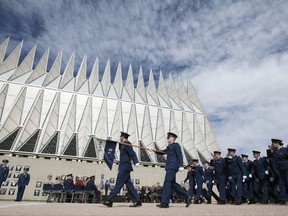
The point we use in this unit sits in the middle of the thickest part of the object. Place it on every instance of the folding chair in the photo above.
(89, 193)
(78, 190)
(69, 190)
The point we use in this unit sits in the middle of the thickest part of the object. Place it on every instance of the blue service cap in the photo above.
(217, 152)
(124, 134)
(256, 152)
(277, 141)
(244, 155)
(231, 150)
(170, 134)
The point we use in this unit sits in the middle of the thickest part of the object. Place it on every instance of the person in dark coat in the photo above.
(174, 163)
(280, 156)
(190, 178)
(209, 181)
(123, 177)
(4, 171)
(200, 178)
(261, 173)
(23, 181)
(220, 176)
(248, 184)
(69, 187)
(237, 174)
(91, 187)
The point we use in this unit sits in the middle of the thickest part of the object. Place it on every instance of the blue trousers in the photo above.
(283, 184)
(236, 188)
(198, 191)
(123, 177)
(262, 190)
(191, 189)
(221, 186)
(209, 190)
(169, 184)
(20, 192)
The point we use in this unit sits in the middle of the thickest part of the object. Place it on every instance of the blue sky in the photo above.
(235, 52)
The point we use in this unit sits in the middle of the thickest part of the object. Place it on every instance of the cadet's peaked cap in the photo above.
(92, 176)
(69, 175)
(231, 149)
(5, 161)
(207, 162)
(125, 135)
(170, 134)
(217, 152)
(195, 159)
(244, 155)
(26, 168)
(256, 152)
(276, 141)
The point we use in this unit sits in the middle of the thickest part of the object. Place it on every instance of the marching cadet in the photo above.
(280, 156)
(123, 177)
(209, 181)
(23, 182)
(237, 175)
(190, 178)
(174, 163)
(200, 177)
(4, 171)
(220, 176)
(248, 183)
(261, 172)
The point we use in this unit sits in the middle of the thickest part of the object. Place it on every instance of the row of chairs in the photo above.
(58, 189)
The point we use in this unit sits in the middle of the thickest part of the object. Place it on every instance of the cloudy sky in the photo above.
(234, 51)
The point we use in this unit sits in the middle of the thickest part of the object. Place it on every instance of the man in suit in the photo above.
(4, 171)
(123, 177)
(174, 163)
(280, 156)
(220, 176)
(261, 171)
(23, 181)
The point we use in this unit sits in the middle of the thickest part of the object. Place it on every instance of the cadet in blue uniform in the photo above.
(174, 163)
(23, 181)
(200, 177)
(280, 156)
(4, 171)
(209, 181)
(237, 174)
(190, 178)
(248, 184)
(126, 155)
(261, 172)
(220, 176)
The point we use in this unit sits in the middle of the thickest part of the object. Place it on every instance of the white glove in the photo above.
(250, 175)
(266, 172)
(271, 179)
(182, 182)
(137, 165)
(181, 169)
(230, 177)
(207, 182)
(212, 181)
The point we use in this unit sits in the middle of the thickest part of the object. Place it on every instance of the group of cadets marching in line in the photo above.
(238, 179)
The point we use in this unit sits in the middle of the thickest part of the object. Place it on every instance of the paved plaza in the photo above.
(8, 208)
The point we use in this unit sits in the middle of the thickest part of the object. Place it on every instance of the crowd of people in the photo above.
(237, 178)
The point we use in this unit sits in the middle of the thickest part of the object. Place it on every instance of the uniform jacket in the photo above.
(90, 186)
(24, 179)
(68, 184)
(174, 156)
(126, 155)
(209, 174)
(260, 166)
(281, 158)
(4, 171)
(199, 174)
(220, 169)
(235, 166)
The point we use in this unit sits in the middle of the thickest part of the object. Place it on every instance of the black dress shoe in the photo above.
(208, 202)
(108, 203)
(162, 205)
(197, 202)
(264, 202)
(136, 204)
(221, 203)
(282, 202)
(188, 202)
(238, 203)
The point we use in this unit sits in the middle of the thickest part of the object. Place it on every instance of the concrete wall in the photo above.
(41, 167)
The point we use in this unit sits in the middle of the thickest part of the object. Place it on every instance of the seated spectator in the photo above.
(49, 181)
(91, 187)
(157, 192)
(68, 187)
